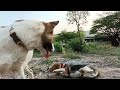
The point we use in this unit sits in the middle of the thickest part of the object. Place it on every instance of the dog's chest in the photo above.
(11, 61)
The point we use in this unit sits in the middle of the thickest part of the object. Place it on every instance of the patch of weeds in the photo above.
(37, 53)
(70, 54)
(48, 62)
(102, 48)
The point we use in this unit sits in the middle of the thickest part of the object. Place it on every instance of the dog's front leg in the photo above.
(22, 74)
(19, 74)
(29, 71)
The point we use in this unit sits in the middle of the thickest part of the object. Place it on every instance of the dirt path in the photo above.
(108, 66)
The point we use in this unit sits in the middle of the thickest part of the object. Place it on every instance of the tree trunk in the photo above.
(78, 28)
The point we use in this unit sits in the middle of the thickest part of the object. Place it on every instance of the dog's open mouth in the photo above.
(48, 48)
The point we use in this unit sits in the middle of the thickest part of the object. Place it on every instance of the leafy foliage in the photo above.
(109, 25)
(76, 45)
(72, 40)
(105, 13)
(58, 47)
(65, 36)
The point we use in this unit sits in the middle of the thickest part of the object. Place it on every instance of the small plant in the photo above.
(48, 62)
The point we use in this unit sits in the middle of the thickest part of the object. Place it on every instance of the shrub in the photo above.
(91, 47)
(77, 45)
(65, 36)
(73, 40)
(58, 47)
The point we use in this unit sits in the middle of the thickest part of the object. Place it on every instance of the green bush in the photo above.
(77, 45)
(91, 47)
(65, 36)
(58, 47)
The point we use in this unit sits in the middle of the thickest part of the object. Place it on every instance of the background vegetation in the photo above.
(106, 42)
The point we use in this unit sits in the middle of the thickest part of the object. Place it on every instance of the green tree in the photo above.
(109, 25)
(105, 13)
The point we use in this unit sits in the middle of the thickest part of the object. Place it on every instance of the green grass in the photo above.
(70, 54)
(49, 61)
(99, 48)
(37, 54)
(103, 49)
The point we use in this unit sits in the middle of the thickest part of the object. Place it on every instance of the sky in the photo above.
(8, 17)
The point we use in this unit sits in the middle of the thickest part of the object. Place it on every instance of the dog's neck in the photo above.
(27, 33)
(16, 39)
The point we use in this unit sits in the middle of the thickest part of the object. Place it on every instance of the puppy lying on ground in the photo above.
(74, 71)
(18, 41)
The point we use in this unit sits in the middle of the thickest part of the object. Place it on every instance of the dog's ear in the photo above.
(54, 23)
(50, 24)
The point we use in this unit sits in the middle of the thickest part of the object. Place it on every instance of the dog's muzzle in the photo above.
(48, 46)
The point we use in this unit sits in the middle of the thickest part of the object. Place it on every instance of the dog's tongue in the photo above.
(47, 55)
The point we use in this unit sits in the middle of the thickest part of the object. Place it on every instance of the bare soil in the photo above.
(108, 66)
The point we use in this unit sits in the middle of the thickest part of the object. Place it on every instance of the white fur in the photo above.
(53, 49)
(14, 58)
(59, 70)
(25, 65)
(86, 69)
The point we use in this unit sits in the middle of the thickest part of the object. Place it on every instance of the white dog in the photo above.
(18, 41)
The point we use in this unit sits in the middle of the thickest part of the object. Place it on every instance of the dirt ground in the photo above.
(108, 66)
